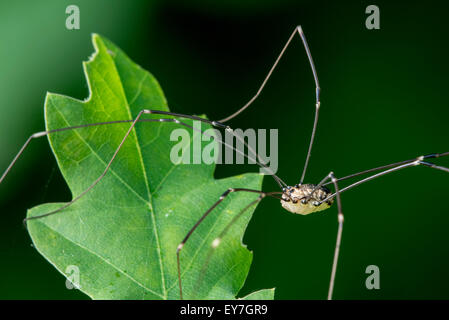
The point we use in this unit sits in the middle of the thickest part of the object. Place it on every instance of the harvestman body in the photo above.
(299, 199)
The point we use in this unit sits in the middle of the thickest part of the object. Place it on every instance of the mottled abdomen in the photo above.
(298, 199)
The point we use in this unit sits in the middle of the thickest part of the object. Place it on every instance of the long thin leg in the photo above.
(259, 161)
(416, 162)
(45, 133)
(298, 30)
(317, 104)
(428, 156)
(98, 179)
(339, 234)
(213, 123)
(219, 124)
(217, 240)
(337, 192)
(402, 165)
(114, 156)
(230, 130)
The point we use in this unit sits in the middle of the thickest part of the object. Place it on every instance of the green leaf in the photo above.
(123, 234)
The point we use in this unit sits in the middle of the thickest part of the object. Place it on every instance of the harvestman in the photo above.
(300, 199)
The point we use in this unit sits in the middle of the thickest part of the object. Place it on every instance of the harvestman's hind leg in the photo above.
(216, 241)
(298, 30)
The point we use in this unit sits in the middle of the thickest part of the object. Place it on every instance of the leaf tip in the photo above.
(95, 38)
(48, 96)
(96, 42)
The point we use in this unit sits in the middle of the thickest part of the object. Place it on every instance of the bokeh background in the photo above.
(384, 99)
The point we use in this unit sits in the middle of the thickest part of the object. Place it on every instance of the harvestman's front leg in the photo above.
(217, 240)
(98, 179)
(137, 119)
(298, 30)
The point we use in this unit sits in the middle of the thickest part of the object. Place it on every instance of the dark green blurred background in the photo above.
(384, 99)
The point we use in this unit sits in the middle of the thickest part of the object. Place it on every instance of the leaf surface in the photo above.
(123, 234)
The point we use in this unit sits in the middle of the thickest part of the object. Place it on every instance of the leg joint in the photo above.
(179, 248)
(39, 134)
